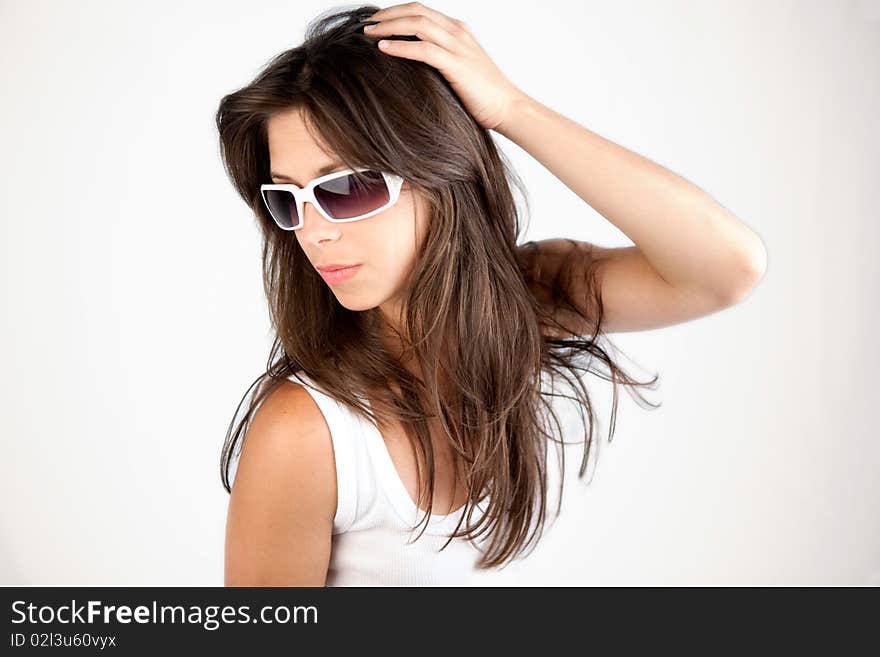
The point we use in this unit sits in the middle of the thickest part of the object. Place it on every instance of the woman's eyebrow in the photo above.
(320, 172)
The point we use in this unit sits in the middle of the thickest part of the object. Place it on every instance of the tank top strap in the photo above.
(343, 432)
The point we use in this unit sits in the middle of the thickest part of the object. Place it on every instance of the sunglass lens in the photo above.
(352, 195)
(282, 205)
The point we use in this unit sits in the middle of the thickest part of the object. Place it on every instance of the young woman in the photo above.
(417, 341)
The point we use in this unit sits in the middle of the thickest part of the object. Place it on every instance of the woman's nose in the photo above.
(311, 216)
(316, 225)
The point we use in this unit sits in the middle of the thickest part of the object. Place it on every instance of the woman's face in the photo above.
(385, 245)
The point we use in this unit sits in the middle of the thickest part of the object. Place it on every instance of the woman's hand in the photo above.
(447, 45)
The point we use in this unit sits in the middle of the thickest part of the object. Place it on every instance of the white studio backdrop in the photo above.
(134, 317)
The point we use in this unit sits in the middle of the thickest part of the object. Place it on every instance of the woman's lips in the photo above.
(339, 275)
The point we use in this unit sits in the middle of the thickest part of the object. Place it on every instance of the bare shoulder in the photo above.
(283, 499)
(289, 426)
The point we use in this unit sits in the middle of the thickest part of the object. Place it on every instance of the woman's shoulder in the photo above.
(291, 403)
(288, 441)
(291, 413)
(283, 500)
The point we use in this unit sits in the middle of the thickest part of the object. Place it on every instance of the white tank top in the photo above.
(375, 514)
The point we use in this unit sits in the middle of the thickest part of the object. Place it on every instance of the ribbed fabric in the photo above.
(375, 514)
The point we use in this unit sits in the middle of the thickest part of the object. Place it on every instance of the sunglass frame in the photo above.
(302, 194)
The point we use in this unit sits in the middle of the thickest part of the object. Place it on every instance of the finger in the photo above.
(423, 51)
(410, 8)
(421, 26)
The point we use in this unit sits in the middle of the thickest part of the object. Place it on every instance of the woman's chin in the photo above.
(355, 302)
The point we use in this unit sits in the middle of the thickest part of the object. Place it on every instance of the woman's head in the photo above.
(338, 98)
(384, 245)
(439, 324)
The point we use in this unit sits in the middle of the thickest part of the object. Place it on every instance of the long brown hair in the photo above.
(472, 287)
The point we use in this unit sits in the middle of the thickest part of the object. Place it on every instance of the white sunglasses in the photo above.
(339, 196)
